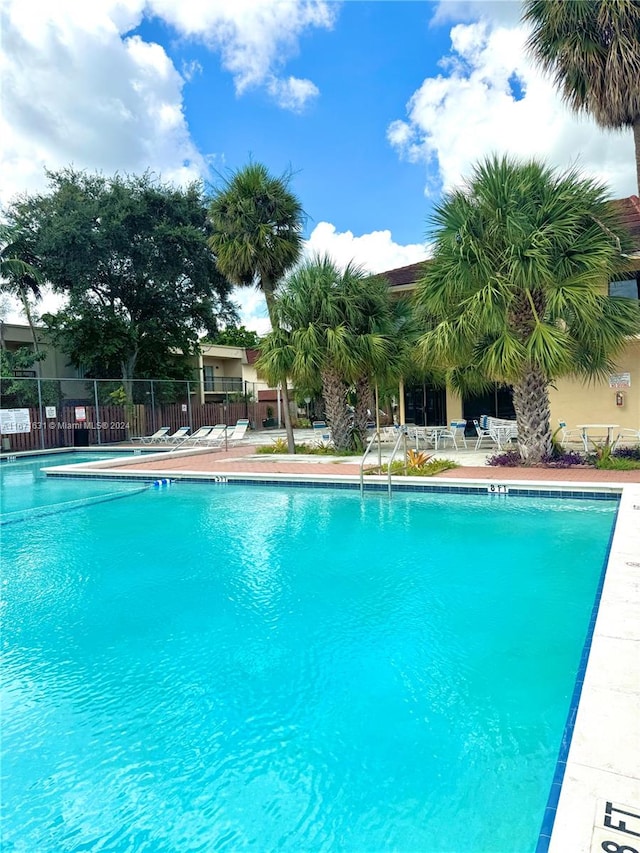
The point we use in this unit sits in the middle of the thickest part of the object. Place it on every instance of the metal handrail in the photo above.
(401, 438)
(365, 454)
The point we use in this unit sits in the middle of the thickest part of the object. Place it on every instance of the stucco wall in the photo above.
(577, 402)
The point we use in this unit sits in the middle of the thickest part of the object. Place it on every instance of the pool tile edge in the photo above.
(606, 734)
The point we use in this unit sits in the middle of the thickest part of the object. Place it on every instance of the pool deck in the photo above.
(595, 796)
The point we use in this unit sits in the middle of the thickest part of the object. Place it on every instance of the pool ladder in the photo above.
(401, 441)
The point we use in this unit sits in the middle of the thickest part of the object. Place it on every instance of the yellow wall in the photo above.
(454, 406)
(577, 402)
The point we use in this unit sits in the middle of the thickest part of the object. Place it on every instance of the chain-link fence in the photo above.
(46, 413)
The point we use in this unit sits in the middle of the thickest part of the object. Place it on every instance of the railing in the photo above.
(222, 384)
(402, 438)
(375, 438)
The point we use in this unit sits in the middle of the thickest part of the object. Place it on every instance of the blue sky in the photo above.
(376, 107)
(345, 170)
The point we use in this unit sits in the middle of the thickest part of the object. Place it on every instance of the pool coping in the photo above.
(596, 774)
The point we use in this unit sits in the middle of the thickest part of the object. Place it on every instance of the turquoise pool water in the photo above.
(218, 668)
(23, 486)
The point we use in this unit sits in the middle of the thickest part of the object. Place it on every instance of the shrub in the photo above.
(508, 459)
(632, 453)
(430, 469)
(615, 463)
(278, 445)
(564, 458)
(417, 458)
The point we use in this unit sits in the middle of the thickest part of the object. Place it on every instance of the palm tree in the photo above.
(257, 237)
(515, 292)
(325, 342)
(19, 274)
(592, 48)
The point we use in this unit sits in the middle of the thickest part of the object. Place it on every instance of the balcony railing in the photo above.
(222, 384)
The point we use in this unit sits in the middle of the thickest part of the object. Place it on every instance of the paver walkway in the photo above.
(235, 459)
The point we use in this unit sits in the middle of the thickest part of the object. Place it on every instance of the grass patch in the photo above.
(279, 445)
(615, 463)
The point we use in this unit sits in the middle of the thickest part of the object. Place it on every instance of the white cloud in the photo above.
(252, 309)
(376, 252)
(504, 11)
(292, 93)
(76, 92)
(78, 89)
(490, 98)
(254, 38)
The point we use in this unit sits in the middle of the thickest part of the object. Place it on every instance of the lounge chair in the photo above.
(158, 435)
(239, 430)
(215, 437)
(197, 438)
(177, 436)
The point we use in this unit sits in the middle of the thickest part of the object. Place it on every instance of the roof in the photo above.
(629, 217)
(403, 278)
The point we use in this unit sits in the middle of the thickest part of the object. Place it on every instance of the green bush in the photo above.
(430, 469)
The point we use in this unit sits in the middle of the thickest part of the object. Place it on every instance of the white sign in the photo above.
(50, 411)
(184, 407)
(620, 380)
(13, 421)
(81, 414)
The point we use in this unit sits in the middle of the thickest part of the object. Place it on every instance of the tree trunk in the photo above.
(363, 405)
(27, 310)
(267, 289)
(334, 392)
(531, 402)
(636, 140)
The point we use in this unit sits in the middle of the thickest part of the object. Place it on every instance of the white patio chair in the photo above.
(455, 433)
(482, 435)
(321, 432)
(627, 435)
(569, 436)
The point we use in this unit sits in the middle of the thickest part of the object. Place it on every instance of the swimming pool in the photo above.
(221, 667)
(24, 486)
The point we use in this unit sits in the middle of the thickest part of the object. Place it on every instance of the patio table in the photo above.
(430, 435)
(503, 433)
(595, 427)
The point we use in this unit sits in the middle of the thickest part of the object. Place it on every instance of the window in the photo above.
(627, 288)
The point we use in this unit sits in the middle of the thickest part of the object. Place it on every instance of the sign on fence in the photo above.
(13, 421)
(81, 414)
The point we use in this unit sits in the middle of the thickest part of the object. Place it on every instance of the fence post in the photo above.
(189, 406)
(95, 397)
(41, 412)
(153, 410)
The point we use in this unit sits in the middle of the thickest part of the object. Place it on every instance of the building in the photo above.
(616, 400)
